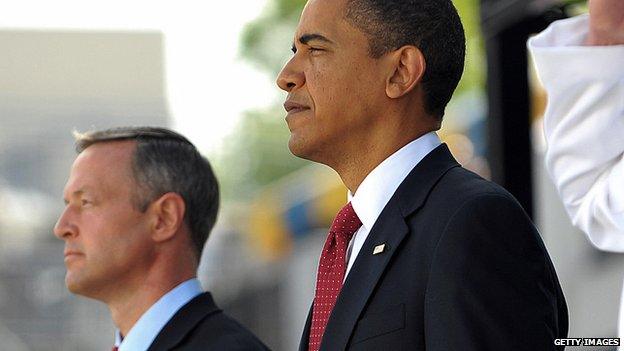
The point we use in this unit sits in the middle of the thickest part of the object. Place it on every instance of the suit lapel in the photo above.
(360, 283)
(305, 337)
(184, 321)
(389, 229)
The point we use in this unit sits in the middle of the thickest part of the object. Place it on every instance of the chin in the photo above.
(306, 150)
(299, 147)
(72, 284)
(77, 285)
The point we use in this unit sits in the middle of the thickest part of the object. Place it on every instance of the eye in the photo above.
(84, 202)
(315, 51)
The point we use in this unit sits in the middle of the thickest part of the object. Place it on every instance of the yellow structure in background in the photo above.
(267, 231)
(292, 208)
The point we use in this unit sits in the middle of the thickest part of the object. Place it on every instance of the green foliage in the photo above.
(288, 8)
(267, 40)
(474, 71)
(256, 154)
(575, 7)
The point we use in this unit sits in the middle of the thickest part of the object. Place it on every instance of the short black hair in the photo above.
(165, 161)
(433, 26)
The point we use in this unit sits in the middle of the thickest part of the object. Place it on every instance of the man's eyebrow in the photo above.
(306, 38)
(76, 193)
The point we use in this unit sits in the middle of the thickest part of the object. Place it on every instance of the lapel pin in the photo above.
(379, 249)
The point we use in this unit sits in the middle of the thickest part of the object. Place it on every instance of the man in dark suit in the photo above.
(425, 255)
(140, 203)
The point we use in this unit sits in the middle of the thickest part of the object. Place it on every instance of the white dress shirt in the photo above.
(145, 330)
(584, 127)
(380, 184)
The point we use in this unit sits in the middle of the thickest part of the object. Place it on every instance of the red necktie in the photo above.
(114, 348)
(331, 271)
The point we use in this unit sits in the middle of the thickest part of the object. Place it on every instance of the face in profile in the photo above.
(334, 86)
(106, 236)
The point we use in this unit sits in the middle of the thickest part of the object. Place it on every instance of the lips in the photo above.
(71, 253)
(295, 107)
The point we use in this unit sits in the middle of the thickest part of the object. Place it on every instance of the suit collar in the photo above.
(390, 229)
(377, 188)
(413, 192)
(145, 330)
(184, 321)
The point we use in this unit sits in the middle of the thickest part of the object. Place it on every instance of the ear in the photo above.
(408, 67)
(168, 212)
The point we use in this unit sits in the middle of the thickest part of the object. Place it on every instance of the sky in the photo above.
(208, 84)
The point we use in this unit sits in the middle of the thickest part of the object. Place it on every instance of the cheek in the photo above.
(327, 91)
(114, 237)
(135, 241)
(105, 248)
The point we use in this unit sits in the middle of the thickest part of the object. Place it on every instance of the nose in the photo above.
(64, 227)
(291, 77)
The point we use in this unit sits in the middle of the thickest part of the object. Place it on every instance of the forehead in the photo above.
(105, 164)
(322, 16)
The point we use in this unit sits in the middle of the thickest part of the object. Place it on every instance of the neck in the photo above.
(126, 307)
(357, 162)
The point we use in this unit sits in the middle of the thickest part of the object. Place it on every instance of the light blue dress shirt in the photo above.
(156, 317)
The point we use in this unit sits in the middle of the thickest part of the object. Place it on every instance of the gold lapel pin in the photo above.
(379, 249)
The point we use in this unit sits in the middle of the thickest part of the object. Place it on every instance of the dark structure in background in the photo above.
(591, 279)
(507, 24)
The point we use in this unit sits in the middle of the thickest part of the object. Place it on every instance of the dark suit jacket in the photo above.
(201, 326)
(463, 269)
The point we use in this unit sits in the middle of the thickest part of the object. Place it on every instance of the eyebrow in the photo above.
(306, 38)
(76, 193)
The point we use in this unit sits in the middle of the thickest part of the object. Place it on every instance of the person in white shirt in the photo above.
(581, 64)
(140, 204)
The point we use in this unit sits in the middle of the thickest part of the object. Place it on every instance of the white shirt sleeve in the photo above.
(584, 127)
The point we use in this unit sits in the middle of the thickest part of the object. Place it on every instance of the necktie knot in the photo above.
(346, 223)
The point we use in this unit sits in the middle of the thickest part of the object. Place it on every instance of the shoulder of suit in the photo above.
(460, 189)
(462, 184)
(220, 331)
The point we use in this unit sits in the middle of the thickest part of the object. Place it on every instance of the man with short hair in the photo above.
(140, 203)
(425, 255)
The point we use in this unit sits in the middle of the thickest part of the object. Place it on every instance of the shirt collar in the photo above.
(156, 317)
(380, 184)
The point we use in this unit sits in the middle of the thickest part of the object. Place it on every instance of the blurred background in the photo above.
(207, 70)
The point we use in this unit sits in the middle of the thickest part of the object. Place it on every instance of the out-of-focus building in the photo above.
(52, 82)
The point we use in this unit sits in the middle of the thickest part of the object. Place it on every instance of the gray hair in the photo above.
(165, 161)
